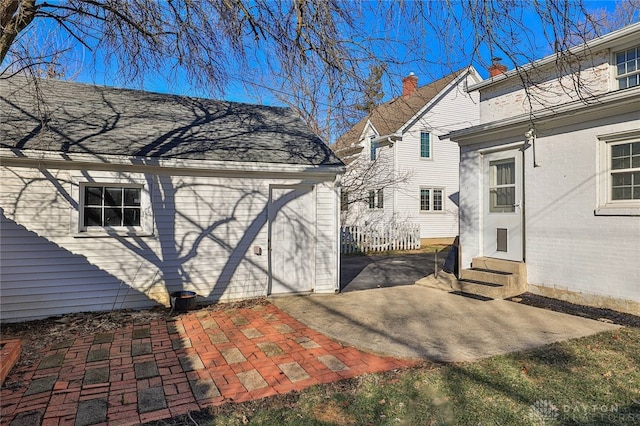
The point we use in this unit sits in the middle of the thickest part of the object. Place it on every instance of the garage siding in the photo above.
(202, 238)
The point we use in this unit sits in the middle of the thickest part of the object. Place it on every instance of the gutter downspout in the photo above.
(395, 180)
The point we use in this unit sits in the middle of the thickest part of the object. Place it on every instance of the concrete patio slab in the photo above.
(415, 322)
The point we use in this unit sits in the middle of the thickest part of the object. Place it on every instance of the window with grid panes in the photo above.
(111, 206)
(431, 199)
(628, 68)
(425, 145)
(625, 171)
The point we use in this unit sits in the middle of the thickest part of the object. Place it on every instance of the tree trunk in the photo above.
(15, 16)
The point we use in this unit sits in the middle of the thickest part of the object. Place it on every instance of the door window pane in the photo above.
(503, 172)
(502, 186)
(502, 200)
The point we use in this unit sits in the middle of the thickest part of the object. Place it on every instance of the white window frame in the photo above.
(614, 65)
(80, 182)
(430, 157)
(431, 192)
(606, 206)
(373, 149)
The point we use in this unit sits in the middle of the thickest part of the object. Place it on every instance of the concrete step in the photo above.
(499, 265)
(492, 291)
(489, 276)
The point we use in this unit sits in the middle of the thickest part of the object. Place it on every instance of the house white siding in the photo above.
(378, 174)
(568, 247)
(578, 242)
(403, 173)
(453, 110)
(470, 210)
(205, 233)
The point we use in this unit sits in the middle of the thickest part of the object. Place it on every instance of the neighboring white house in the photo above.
(113, 198)
(399, 168)
(551, 175)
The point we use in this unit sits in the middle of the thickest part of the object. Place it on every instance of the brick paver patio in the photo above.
(166, 368)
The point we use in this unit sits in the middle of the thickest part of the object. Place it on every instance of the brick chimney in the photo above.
(496, 67)
(409, 84)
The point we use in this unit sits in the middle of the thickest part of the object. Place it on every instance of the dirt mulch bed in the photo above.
(599, 314)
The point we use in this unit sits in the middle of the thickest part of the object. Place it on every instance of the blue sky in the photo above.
(426, 62)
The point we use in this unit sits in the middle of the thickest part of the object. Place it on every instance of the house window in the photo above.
(628, 68)
(373, 146)
(111, 206)
(344, 201)
(376, 199)
(431, 199)
(425, 199)
(502, 186)
(425, 145)
(625, 171)
(619, 174)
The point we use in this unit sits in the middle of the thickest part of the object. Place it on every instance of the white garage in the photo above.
(116, 198)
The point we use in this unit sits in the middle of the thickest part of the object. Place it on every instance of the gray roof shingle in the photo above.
(71, 117)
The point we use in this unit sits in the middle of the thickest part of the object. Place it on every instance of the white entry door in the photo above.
(291, 239)
(503, 205)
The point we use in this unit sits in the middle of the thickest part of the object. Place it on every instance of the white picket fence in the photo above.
(366, 239)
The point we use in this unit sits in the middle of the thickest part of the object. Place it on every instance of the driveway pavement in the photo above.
(418, 322)
(366, 272)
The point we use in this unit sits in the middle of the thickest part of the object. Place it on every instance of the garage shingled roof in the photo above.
(69, 117)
